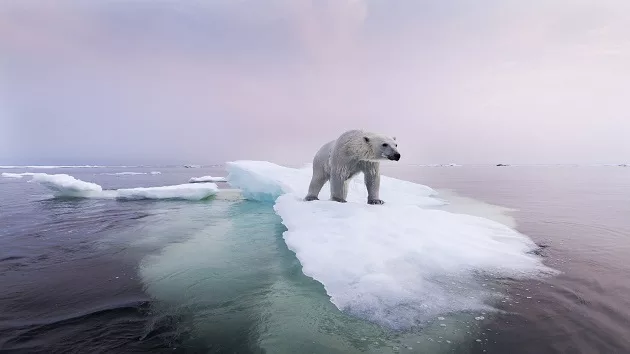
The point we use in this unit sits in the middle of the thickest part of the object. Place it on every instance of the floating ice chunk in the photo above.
(205, 179)
(63, 185)
(68, 186)
(264, 181)
(395, 264)
(392, 264)
(182, 191)
(17, 175)
(130, 173)
(124, 173)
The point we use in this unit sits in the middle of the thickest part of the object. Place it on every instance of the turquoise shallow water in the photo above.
(216, 275)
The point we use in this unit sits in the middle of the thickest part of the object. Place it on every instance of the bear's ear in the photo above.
(394, 138)
(367, 140)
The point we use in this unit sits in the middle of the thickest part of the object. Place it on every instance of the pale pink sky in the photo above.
(538, 81)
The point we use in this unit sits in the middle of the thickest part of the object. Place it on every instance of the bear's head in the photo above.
(383, 147)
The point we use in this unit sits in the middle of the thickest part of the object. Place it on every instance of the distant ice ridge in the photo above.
(63, 185)
(53, 167)
(396, 264)
(132, 173)
(441, 165)
(205, 179)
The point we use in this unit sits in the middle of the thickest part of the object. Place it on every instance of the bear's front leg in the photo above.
(372, 178)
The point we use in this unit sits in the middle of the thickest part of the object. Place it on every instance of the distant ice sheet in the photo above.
(396, 264)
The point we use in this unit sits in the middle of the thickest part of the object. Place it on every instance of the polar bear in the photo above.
(352, 152)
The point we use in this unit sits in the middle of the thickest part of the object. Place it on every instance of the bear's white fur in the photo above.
(352, 152)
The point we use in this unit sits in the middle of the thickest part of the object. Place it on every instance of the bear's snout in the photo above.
(394, 157)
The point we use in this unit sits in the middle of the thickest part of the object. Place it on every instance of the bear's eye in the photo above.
(384, 144)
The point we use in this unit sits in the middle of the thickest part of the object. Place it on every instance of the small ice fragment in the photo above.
(204, 179)
(479, 318)
(441, 318)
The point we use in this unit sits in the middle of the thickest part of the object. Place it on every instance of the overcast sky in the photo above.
(487, 81)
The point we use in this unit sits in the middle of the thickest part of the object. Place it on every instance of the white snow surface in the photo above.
(396, 264)
(204, 179)
(63, 185)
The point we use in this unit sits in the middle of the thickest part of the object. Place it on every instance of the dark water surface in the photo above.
(106, 276)
(583, 215)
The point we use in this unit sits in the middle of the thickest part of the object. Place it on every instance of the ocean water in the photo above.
(215, 276)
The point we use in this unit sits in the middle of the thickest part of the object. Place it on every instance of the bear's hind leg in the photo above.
(338, 189)
(317, 182)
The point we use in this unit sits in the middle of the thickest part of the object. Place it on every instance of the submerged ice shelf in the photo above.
(395, 264)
